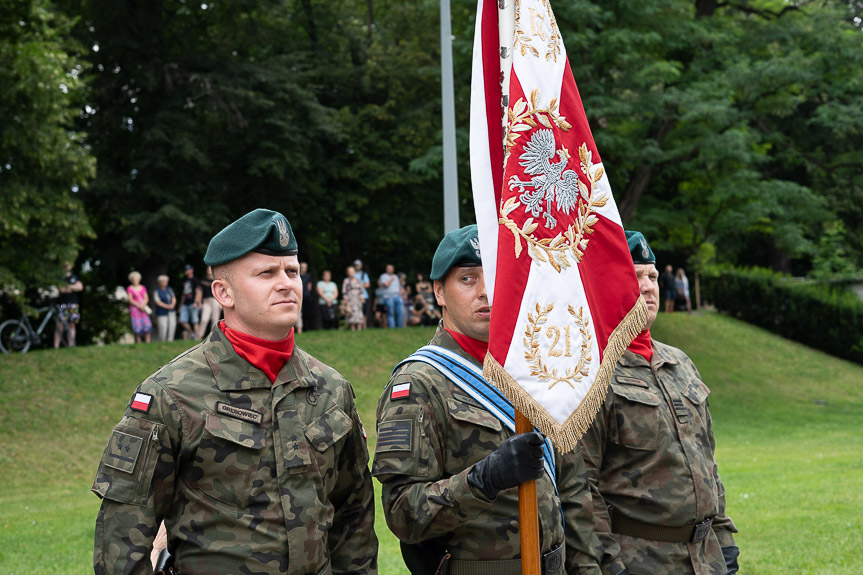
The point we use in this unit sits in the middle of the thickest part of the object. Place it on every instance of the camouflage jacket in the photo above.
(249, 476)
(429, 440)
(649, 456)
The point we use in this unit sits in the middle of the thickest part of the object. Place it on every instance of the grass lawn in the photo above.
(788, 422)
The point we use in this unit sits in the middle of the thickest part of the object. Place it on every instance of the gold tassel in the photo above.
(565, 437)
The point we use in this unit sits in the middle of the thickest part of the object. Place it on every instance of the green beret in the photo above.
(459, 248)
(638, 248)
(262, 231)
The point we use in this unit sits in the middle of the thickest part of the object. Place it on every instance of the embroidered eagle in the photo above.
(550, 182)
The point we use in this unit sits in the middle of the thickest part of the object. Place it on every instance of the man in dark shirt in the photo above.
(190, 303)
(307, 317)
(69, 303)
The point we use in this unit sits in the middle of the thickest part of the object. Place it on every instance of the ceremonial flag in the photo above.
(565, 299)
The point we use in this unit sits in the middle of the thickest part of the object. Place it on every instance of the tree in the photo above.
(728, 123)
(200, 112)
(44, 162)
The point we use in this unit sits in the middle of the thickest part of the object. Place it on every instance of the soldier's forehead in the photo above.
(644, 269)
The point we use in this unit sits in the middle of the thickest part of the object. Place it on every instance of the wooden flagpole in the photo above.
(528, 511)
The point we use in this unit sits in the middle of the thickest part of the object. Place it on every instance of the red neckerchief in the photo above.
(476, 348)
(642, 345)
(268, 356)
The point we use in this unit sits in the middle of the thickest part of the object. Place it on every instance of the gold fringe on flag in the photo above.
(565, 436)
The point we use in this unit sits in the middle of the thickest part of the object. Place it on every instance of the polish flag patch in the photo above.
(401, 390)
(141, 402)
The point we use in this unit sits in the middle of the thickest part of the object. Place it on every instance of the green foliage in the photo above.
(42, 158)
(831, 257)
(817, 315)
(203, 111)
(103, 318)
(735, 124)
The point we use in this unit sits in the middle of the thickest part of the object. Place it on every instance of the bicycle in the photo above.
(17, 335)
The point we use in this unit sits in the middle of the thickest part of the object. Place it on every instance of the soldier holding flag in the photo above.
(447, 455)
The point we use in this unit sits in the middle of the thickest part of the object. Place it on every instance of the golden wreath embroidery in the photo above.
(551, 183)
(523, 41)
(533, 356)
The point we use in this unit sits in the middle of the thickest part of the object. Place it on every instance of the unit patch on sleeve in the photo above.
(401, 390)
(141, 402)
(239, 413)
(395, 435)
(123, 450)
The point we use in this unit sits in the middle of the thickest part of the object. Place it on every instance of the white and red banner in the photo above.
(565, 299)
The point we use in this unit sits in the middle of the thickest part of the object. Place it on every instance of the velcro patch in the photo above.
(123, 451)
(239, 413)
(401, 390)
(141, 402)
(632, 381)
(395, 435)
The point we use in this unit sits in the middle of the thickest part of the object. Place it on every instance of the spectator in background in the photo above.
(363, 276)
(139, 310)
(666, 284)
(391, 291)
(353, 300)
(307, 316)
(681, 286)
(328, 297)
(423, 313)
(424, 288)
(211, 311)
(190, 304)
(380, 308)
(69, 304)
(166, 309)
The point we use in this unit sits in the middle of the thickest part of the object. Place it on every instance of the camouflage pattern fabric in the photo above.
(427, 444)
(649, 455)
(250, 477)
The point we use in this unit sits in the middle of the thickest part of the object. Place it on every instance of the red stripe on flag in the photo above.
(605, 265)
(491, 79)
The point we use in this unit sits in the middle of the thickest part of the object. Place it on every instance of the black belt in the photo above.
(684, 534)
(552, 563)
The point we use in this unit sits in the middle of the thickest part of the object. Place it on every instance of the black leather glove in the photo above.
(731, 553)
(516, 460)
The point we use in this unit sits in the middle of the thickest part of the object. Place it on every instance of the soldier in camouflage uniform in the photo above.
(658, 501)
(449, 468)
(250, 449)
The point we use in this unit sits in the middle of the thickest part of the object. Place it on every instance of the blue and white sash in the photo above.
(469, 379)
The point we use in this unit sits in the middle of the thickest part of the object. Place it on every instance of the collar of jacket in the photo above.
(443, 338)
(233, 373)
(661, 356)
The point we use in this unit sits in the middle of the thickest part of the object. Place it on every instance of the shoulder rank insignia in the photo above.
(401, 390)
(141, 402)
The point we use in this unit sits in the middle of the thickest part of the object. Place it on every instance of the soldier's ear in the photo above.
(438, 293)
(223, 293)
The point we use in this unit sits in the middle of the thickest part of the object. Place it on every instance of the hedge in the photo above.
(821, 316)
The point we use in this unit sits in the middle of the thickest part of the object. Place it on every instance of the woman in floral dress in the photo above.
(352, 295)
